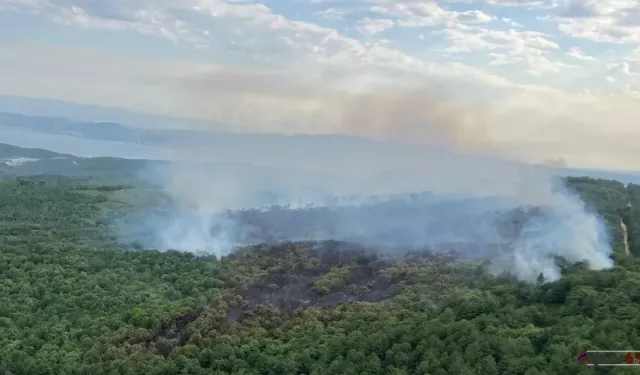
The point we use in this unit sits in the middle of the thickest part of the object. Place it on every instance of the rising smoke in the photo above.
(481, 204)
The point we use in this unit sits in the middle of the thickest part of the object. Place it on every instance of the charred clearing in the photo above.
(322, 274)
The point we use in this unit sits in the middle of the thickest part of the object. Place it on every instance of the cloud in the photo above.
(577, 53)
(627, 73)
(623, 68)
(613, 21)
(467, 31)
(248, 30)
(616, 21)
(511, 22)
(252, 30)
(117, 16)
(511, 3)
(417, 14)
(332, 13)
(507, 47)
(375, 26)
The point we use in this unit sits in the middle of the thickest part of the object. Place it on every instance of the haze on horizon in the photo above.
(520, 80)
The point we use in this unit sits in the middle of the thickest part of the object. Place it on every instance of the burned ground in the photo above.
(288, 277)
(329, 274)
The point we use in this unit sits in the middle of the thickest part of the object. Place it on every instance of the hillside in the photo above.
(19, 161)
(9, 151)
(71, 302)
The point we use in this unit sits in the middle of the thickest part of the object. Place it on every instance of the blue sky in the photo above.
(527, 75)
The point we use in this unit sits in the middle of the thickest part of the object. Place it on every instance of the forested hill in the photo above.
(618, 204)
(19, 161)
(71, 302)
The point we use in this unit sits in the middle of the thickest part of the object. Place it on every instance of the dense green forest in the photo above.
(72, 302)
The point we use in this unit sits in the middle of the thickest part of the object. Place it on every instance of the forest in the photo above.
(72, 301)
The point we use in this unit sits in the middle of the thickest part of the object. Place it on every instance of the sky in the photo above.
(536, 80)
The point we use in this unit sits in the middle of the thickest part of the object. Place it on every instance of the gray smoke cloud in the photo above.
(474, 188)
(342, 102)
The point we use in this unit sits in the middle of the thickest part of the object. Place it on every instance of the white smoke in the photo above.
(458, 157)
(462, 209)
(565, 229)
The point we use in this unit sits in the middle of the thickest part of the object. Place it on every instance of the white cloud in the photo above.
(627, 74)
(375, 26)
(467, 32)
(251, 30)
(613, 21)
(512, 3)
(418, 14)
(622, 68)
(332, 13)
(529, 48)
(511, 22)
(577, 53)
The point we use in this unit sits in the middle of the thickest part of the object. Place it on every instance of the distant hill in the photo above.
(108, 131)
(10, 151)
(18, 161)
(41, 107)
(256, 185)
(182, 134)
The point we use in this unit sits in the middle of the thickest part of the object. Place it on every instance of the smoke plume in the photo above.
(479, 203)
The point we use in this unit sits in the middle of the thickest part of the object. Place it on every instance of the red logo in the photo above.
(632, 358)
